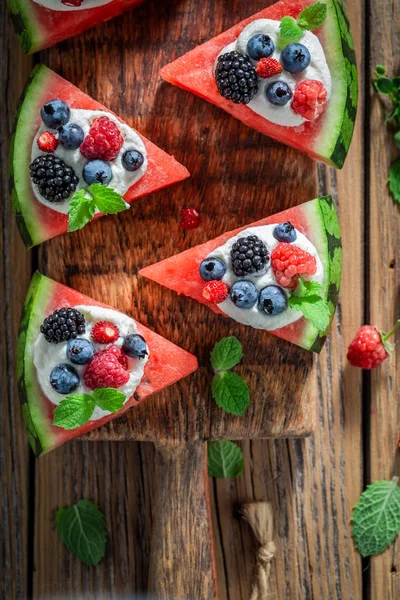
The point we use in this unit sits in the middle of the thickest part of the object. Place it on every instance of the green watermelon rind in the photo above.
(25, 25)
(33, 313)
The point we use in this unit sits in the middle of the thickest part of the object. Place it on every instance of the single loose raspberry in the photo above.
(310, 98)
(104, 332)
(118, 353)
(215, 291)
(289, 262)
(370, 347)
(190, 218)
(268, 67)
(47, 142)
(105, 371)
(104, 140)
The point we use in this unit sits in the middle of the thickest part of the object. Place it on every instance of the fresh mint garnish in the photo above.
(376, 517)
(82, 528)
(84, 203)
(225, 459)
(76, 410)
(394, 179)
(289, 31)
(229, 390)
(292, 30)
(308, 300)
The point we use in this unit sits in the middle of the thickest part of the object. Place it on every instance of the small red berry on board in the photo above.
(216, 291)
(268, 67)
(47, 142)
(104, 332)
(190, 218)
(370, 347)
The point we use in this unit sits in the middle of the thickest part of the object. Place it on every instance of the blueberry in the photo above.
(285, 232)
(132, 160)
(64, 379)
(212, 268)
(243, 294)
(71, 136)
(135, 346)
(80, 351)
(279, 93)
(55, 114)
(272, 300)
(295, 58)
(260, 46)
(97, 171)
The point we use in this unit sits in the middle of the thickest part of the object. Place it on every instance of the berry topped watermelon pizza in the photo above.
(288, 71)
(43, 23)
(81, 363)
(281, 274)
(72, 160)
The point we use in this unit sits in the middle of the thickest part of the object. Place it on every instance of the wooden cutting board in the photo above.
(238, 176)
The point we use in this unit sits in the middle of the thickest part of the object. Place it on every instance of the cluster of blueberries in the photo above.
(271, 300)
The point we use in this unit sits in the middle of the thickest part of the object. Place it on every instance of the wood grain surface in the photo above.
(311, 483)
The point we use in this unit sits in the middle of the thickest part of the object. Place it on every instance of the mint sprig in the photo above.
(308, 300)
(76, 410)
(394, 179)
(311, 17)
(85, 202)
(229, 390)
(376, 517)
(82, 528)
(225, 459)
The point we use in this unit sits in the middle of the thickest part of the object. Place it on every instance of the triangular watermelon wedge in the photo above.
(38, 222)
(43, 23)
(317, 220)
(166, 364)
(326, 138)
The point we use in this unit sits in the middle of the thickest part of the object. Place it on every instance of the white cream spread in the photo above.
(121, 180)
(59, 6)
(46, 356)
(318, 69)
(253, 316)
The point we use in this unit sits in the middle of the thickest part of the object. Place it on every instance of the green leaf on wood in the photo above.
(225, 459)
(394, 180)
(231, 392)
(226, 354)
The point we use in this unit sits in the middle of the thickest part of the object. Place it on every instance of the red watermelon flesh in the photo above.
(167, 364)
(36, 221)
(181, 272)
(39, 27)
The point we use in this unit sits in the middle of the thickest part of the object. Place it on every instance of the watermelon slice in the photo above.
(317, 220)
(326, 138)
(166, 364)
(43, 23)
(38, 222)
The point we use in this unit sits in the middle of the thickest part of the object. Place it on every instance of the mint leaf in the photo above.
(394, 180)
(289, 31)
(80, 211)
(230, 392)
(109, 399)
(226, 354)
(312, 16)
(384, 85)
(309, 302)
(73, 411)
(225, 459)
(380, 70)
(376, 517)
(82, 528)
(106, 199)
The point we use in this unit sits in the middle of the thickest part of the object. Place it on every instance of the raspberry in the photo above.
(309, 99)
(289, 262)
(118, 353)
(104, 332)
(215, 291)
(105, 371)
(190, 218)
(370, 347)
(268, 67)
(47, 142)
(104, 140)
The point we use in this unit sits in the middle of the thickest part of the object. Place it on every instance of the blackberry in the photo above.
(55, 180)
(236, 77)
(63, 325)
(249, 256)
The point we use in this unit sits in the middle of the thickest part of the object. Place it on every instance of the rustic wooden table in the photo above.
(311, 483)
